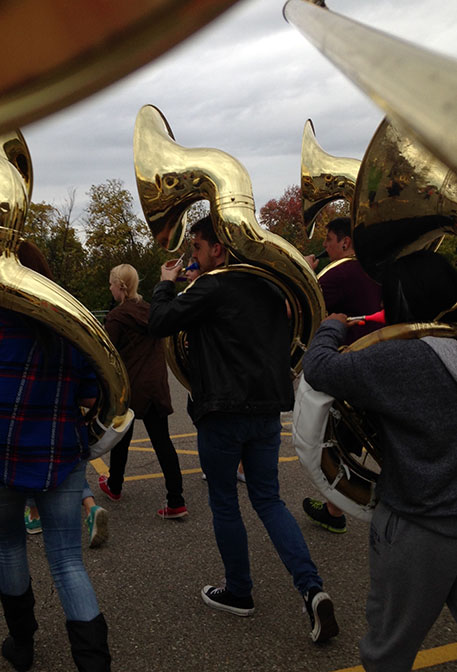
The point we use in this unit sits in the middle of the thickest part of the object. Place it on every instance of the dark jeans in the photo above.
(223, 440)
(157, 429)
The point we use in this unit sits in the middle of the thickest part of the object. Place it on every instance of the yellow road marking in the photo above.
(424, 659)
(180, 451)
(145, 477)
(427, 658)
(99, 466)
(102, 468)
(182, 436)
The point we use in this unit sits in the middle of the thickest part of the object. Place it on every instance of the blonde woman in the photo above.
(144, 359)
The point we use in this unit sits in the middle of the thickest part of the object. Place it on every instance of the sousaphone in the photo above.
(32, 294)
(171, 178)
(403, 199)
(324, 178)
(405, 194)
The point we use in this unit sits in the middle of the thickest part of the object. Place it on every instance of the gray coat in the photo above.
(413, 397)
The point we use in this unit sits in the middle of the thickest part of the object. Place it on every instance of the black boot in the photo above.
(89, 644)
(19, 616)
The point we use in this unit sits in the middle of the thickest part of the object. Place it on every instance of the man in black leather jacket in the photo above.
(238, 335)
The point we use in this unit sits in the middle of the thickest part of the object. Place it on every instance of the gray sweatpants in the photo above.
(413, 573)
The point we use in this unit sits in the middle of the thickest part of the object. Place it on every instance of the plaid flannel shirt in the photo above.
(42, 432)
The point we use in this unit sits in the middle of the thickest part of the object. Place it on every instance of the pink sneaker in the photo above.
(104, 487)
(168, 512)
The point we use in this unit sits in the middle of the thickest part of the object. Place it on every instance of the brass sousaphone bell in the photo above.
(324, 178)
(171, 177)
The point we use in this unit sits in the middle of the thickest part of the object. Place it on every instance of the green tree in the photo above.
(116, 235)
(52, 230)
(39, 224)
(448, 249)
(196, 212)
(111, 225)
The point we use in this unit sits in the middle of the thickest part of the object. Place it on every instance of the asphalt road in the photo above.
(149, 575)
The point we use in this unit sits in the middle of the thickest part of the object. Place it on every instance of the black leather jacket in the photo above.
(239, 344)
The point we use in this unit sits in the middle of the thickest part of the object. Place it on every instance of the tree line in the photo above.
(82, 251)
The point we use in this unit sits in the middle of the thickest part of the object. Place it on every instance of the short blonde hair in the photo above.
(126, 276)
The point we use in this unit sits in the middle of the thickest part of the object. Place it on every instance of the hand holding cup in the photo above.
(171, 269)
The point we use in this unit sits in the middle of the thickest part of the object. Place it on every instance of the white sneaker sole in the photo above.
(99, 529)
(224, 607)
(325, 625)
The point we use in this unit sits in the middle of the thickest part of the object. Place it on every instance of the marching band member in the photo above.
(410, 386)
(238, 333)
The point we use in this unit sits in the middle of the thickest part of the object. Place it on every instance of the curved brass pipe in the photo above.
(324, 178)
(414, 86)
(171, 177)
(32, 294)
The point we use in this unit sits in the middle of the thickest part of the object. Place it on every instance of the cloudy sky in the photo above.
(245, 84)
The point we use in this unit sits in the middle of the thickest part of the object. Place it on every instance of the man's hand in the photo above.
(341, 317)
(170, 270)
(312, 261)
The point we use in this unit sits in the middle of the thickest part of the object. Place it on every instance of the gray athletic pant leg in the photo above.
(413, 573)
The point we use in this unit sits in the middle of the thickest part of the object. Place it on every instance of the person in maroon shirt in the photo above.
(347, 289)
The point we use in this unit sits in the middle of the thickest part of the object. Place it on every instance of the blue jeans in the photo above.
(60, 513)
(223, 440)
(87, 492)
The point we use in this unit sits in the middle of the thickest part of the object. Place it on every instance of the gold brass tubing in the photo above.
(24, 291)
(414, 86)
(402, 332)
(324, 178)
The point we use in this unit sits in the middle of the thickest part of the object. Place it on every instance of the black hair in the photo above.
(205, 228)
(419, 287)
(340, 226)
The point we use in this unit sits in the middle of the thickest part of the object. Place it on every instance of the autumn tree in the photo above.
(285, 217)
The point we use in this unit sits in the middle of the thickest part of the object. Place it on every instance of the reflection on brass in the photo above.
(414, 86)
(324, 178)
(403, 332)
(171, 177)
(56, 53)
(332, 265)
(32, 294)
(405, 200)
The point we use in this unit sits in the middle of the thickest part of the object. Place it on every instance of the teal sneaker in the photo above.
(32, 525)
(97, 525)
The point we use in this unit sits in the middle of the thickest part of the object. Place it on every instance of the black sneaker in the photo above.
(221, 598)
(318, 513)
(320, 609)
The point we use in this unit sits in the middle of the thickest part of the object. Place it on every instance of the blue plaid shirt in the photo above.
(42, 433)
